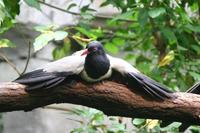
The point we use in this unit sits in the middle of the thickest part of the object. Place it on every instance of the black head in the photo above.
(97, 63)
(94, 47)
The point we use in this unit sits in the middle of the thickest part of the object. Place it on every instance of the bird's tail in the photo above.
(195, 88)
(40, 79)
(149, 86)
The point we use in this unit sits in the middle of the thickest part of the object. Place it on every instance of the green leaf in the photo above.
(195, 6)
(8, 11)
(98, 117)
(47, 35)
(156, 74)
(143, 17)
(144, 67)
(117, 128)
(45, 28)
(195, 75)
(86, 15)
(196, 48)
(4, 43)
(110, 47)
(60, 52)
(85, 8)
(2, 14)
(77, 130)
(6, 25)
(172, 128)
(185, 16)
(124, 16)
(33, 3)
(118, 41)
(169, 34)
(194, 28)
(155, 12)
(194, 129)
(12, 7)
(138, 122)
(2, 3)
(86, 32)
(42, 40)
(60, 35)
(181, 48)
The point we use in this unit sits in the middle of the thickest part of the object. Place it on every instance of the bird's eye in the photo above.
(94, 48)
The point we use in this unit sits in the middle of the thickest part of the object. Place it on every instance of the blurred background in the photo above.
(160, 38)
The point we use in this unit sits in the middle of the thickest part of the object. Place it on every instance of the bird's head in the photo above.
(94, 47)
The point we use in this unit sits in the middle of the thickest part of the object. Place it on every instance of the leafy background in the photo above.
(160, 38)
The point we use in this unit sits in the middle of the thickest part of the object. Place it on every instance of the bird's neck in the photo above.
(96, 65)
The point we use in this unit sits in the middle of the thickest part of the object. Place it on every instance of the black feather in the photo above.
(148, 86)
(44, 85)
(35, 73)
(195, 88)
(61, 79)
(40, 79)
(33, 80)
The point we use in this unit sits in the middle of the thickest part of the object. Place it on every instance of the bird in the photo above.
(195, 88)
(91, 65)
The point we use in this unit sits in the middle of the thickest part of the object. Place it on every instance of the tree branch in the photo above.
(110, 97)
(99, 16)
(10, 63)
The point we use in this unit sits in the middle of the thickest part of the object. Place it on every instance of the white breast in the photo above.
(85, 76)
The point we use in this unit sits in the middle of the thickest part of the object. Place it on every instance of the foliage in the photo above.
(8, 11)
(48, 33)
(4, 43)
(93, 121)
(33, 3)
(161, 38)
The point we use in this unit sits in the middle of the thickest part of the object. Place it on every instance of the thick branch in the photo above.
(110, 97)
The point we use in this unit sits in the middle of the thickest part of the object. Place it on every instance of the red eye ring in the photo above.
(95, 48)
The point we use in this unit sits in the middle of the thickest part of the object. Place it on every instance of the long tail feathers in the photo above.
(41, 80)
(195, 88)
(149, 86)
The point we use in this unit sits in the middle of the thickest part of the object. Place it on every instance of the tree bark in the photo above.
(110, 97)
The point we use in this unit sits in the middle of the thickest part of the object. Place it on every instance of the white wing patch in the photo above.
(121, 65)
(73, 63)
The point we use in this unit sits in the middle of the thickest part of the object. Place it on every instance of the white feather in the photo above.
(73, 63)
(121, 65)
(85, 76)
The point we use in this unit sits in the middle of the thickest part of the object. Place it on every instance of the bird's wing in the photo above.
(53, 73)
(195, 88)
(137, 80)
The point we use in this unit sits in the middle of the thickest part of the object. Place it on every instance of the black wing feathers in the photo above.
(41, 79)
(195, 88)
(148, 86)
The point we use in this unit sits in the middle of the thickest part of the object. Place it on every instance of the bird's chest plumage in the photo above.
(96, 68)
